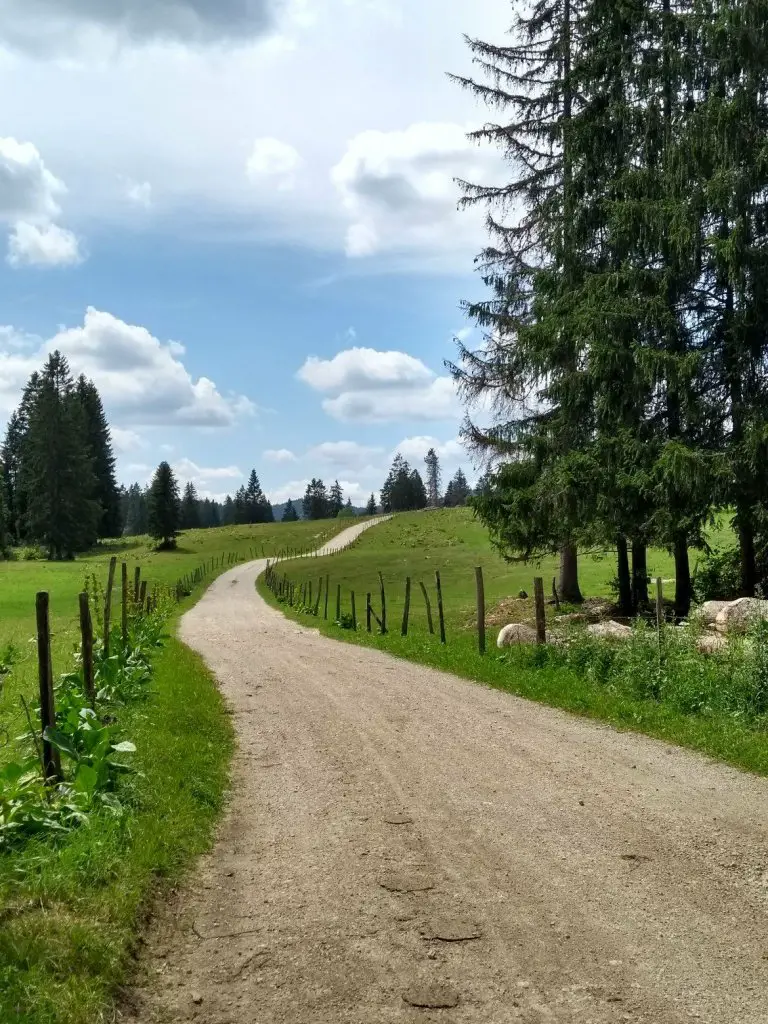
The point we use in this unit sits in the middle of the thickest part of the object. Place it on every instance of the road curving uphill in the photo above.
(404, 845)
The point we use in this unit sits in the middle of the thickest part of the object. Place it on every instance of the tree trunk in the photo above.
(625, 582)
(639, 575)
(747, 550)
(683, 577)
(569, 574)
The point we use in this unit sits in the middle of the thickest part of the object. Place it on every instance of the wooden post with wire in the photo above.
(51, 759)
(108, 603)
(480, 587)
(86, 634)
(440, 612)
(541, 614)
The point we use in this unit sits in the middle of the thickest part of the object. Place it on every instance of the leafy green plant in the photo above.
(718, 576)
(346, 621)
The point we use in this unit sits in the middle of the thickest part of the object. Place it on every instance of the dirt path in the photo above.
(398, 836)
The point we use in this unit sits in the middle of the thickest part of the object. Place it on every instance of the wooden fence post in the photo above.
(659, 605)
(480, 585)
(124, 599)
(383, 605)
(319, 595)
(368, 612)
(327, 588)
(143, 594)
(108, 603)
(406, 607)
(555, 594)
(541, 614)
(136, 583)
(430, 623)
(354, 613)
(440, 607)
(86, 634)
(51, 759)
(309, 594)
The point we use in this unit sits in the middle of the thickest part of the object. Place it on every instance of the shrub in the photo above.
(718, 576)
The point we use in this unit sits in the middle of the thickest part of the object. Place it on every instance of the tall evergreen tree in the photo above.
(228, 512)
(5, 537)
(57, 477)
(99, 444)
(531, 352)
(336, 499)
(290, 515)
(136, 511)
(370, 508)
(316, 504)
(458, 490)
(164, 507)
(433, 478)
(190, 509)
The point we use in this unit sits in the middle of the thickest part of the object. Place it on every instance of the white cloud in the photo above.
(49, 246)
(69, 25)
(29, 194)
(364, 368)
(275, 162)
(368, 386)
(290, 491)
(279, 455)
(399, 191)
(141, 380)
(347, 454)
(139, 193)
(414, 449)
(126, 441)
(204, 478)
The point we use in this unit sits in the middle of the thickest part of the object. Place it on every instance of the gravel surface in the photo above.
(403, 845)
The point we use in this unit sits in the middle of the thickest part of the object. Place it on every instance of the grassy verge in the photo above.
(713, 705)
(70, 912)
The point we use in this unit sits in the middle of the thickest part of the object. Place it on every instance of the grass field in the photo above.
(452, 542)
(19, 582)
(70, 912)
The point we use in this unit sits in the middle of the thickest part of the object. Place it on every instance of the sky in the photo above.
(239, 218)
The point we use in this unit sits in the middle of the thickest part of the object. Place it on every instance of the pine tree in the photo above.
(458, 490)
(5, 538)
(56, 476)
(316, 504)
(164, 507)
(241, 510)
(433, 478)
(290, 515)
(136, 511)
(371, 506)
(228, 512)
(99, 442)
(11, 458)
(190, 510)
(336, 500)
(258, 509)
(531, 352)
(418, 492)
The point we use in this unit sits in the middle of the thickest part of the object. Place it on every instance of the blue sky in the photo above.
(239, 217)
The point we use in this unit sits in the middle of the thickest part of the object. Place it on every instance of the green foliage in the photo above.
(98, 444)
(718, 575)
(403, 489)
(164, 507)
(290, 515)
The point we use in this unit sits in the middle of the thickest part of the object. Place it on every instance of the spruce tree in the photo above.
(316, 504)
(433, 478)
(5, 538)
(530, 357)
(56, 476)
(99, 443)
(164, 507)
(458, 490)
(336, 499)
(190, 509)
(290, 515)
(136, 511)
(371, 506)
(228, 512)
(258, 509)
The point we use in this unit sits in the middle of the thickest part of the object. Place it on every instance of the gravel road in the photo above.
(406, 846)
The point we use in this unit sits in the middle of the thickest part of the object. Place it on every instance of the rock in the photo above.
(516, 633)
(431, 997)
(523, 595)
(197, 998)
(711, 643)
(610, 630)
(709, 611)
(737, 616)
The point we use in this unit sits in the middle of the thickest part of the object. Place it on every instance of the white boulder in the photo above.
(711, 643)
(709, 611)
(738, 616)
(610, 630)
